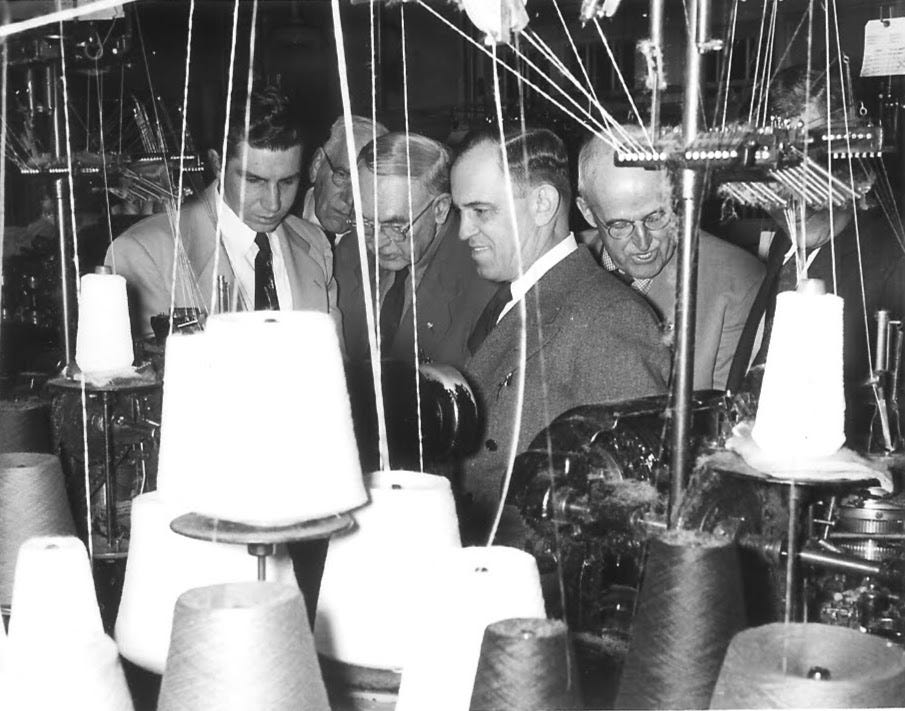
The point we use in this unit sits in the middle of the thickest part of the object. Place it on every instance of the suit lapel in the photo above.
(198, 224)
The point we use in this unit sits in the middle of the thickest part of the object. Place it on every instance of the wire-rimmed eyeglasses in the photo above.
(654, 221)
(392, 230)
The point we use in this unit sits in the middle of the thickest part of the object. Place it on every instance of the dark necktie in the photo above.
(331, 237)
(489, 316)
(265, 287)
(391, 311)
(623, 276)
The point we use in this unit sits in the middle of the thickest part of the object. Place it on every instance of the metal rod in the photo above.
(881, 349)
(262, 568)
(109, 474)
(686, 291)
(854, 536)
(792, 551)
(656, 52)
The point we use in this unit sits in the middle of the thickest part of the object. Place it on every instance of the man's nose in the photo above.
(271, 200)
(466, 227)
(642, 237)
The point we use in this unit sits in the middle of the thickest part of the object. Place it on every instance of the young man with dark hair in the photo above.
(268, 258)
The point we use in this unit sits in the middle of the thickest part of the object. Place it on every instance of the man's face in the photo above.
(479, 193)
(262, 190)
(632, 194)
(396, 244)
(333, 186)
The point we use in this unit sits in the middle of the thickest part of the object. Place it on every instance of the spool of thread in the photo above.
(24, 426)
(689, 607)
(59, 676)
(801, 410)
(273, 380)
(104, 339)
(161, 566)
(33, 502)
(375, 574)
(526, 664)
(810, 666)
(466, 590)
(54, 602)
(242, 646)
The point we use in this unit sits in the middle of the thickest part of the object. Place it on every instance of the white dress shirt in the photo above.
(241, 250)
(536, 271)
(309, 214)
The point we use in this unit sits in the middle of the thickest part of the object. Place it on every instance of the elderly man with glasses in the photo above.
(633, 212)
(424, 273)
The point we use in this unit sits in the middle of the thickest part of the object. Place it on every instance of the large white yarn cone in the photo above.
(801, 411)
(62, 676)
(468, 589)
(162, 565)
(104, 339)
(54, 602)
(374, 575)
(257, 426)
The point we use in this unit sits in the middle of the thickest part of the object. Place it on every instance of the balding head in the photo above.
(329, 172)
(631, 208)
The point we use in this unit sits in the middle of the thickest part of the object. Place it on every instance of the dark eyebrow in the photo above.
(248, 174)
(477, 203)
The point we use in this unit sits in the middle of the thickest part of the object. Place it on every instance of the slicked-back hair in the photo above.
(430, 160)
(360, 125)
(535, 156)
(272, 122)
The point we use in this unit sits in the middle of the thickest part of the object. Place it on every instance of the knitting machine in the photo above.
(594, 486)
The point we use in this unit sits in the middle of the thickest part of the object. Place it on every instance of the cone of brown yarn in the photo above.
(242, 646)
(33, 502)
(526, 664)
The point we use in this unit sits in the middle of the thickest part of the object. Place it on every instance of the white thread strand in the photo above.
(177, 234)
(359, 226)
(523, 334)
(760, 41)
(829, 152)
(100, 123)
(4, 76)
(375, 196)
(408, 172)
(222, 172)
(78, 290)
(60, 15)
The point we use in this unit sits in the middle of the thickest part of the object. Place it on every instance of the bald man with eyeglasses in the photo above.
(636, 231)
(422, 265)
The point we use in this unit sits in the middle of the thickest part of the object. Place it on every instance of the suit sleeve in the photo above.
(146, 285)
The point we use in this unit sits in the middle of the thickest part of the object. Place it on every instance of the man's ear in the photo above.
(442, 204)
(213, 160)
(315, 166)
(544, 201)
(586, 211)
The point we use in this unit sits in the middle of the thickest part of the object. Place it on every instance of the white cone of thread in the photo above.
(374, 575)
(49, 678)
(468, 589)
(271, 421)
(162, 565)
(496, 17)
(54, 601)
(801, 410)
(104, 339)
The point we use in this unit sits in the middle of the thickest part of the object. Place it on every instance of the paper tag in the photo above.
(884, 47)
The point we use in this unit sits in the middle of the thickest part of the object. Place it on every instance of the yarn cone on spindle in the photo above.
(54, 601)
(810, 666)
(242, 646)
(689, 607)
(24, 425)
(33, 502)
(526, 664)
(103, 342)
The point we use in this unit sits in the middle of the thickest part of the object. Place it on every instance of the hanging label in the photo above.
(884, 47)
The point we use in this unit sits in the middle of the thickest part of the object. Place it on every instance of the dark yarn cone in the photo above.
(242, 646)
(24, 426)
(33, 502)
(810, 666)
(526, 664)
(690, 605)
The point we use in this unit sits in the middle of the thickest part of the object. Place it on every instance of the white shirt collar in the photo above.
(237, 236)
(536, 271)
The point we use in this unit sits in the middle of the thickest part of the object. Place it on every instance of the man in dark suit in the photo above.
(426, 281)
(268, 258)
(575, 334)
(635, 235)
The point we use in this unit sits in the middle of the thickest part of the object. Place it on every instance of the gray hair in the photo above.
(361, 126)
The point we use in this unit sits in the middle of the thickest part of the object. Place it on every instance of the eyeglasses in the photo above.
(391, 230)
(340, 176)
(623, 229)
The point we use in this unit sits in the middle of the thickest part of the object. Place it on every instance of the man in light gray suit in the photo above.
(268, 258)
(590, 338)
